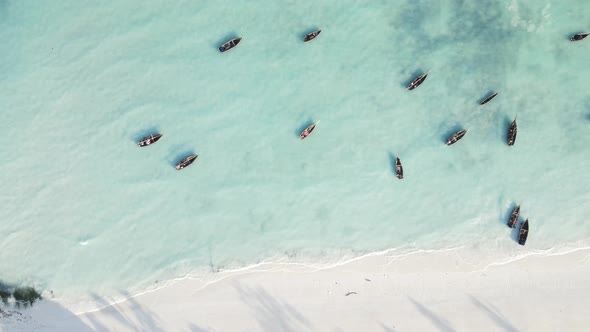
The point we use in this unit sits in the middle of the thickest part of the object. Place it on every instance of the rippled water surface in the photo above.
(84, 210)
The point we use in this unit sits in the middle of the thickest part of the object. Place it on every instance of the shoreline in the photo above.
(421, 285)
(474, 263)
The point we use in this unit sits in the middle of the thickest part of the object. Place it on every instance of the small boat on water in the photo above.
(523, 233)
(311, 36)
(399, 170)
(307, 131)
(513, 219)
(417, 81)
(456, 136)
(228, 45)
(148, 140)
(579, 36)
(488, 98)
(186, 162)
(511, 135)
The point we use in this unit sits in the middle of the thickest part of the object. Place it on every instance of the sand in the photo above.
(449, 290)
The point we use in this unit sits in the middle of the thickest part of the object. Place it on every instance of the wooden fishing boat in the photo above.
(488, 98)
(228, 45)
(511, 135)
(149, 140)
(311, 36)
(418, 81)
(307, 131)
(513, 219)
(399, 170)
(456, 137)
(186, 162)
(523, 233)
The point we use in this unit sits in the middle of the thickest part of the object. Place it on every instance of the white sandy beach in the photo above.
(424, 291)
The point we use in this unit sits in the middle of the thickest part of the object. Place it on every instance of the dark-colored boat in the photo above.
(456, 136)
(511, 135)
(513, 219)
(579, 36)
(148, 140)
(523, 233)
(307, 131)
(311, 36)
(488, 98)
(399, 170)
(417, 81)
(186, 162)
(228, 45)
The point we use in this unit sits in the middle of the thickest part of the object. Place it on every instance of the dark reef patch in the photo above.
(17, 295)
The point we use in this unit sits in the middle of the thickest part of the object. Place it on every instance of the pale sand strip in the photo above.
(426, 291)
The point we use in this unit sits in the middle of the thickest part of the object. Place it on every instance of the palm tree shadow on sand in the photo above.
(60, 319)
(272, 313)
(439, 322)
(494, 314)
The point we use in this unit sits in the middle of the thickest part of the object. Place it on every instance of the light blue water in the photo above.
(83, 210)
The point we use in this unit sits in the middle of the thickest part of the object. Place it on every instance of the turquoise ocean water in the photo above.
(85, 211)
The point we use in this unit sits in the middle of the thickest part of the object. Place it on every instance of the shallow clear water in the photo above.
(84, 210)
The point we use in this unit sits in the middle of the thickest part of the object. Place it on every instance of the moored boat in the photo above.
(523, 233)
(456, 136)
(417, 81)
(488, 98)
(228, 45)
(186, 162)
(511, 135)
(311, 36)
(399, 170)
(307, 131)
(148, 140)
(513, 219)
(579, 36)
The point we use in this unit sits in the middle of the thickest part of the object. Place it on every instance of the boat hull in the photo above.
(230, 44)
(523, 233)
(511, 135)
(307, 131)
(184, 163)
(488, 99)
(149, 140)
(417, 82)
(513, 219)
(456, 137)
(311, 36)
(399, 170)
(579, 36)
